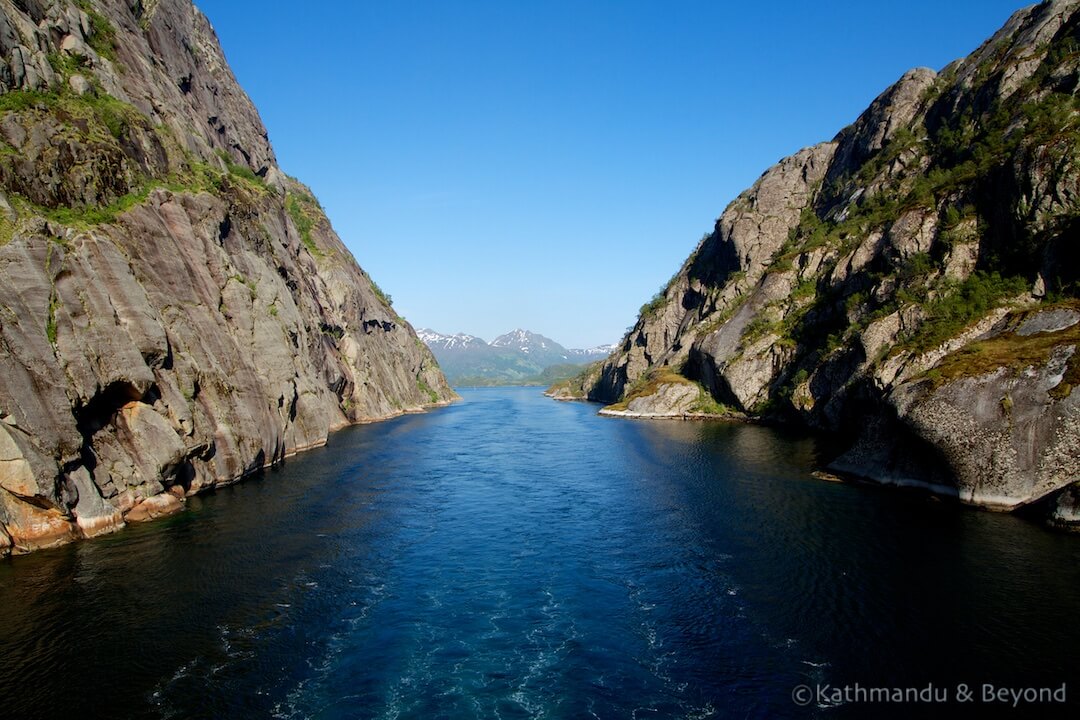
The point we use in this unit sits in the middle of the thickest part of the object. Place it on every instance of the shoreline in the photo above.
(168, 503)
(696, 416)
(831, 472)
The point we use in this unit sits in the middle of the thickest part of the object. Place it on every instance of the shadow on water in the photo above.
(516, 557)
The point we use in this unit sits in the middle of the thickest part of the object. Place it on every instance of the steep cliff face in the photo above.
(910, 286)
(175, 312)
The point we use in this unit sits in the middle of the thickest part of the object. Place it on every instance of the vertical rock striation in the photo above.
(175, 312)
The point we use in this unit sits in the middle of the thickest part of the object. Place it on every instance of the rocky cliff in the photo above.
(910, 287)
(175, 312)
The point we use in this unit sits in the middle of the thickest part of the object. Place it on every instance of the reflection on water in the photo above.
(516, 557)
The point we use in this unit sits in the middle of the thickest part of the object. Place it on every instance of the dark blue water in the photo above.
(514, 557)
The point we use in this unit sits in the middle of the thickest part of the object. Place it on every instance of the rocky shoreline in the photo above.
(62, 531)
(178, 312)
(909, 288)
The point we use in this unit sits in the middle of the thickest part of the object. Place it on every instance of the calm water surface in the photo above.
(514, 557)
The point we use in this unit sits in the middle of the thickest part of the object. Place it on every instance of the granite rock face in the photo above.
(667, 400)
(910, 287)
(176, 312)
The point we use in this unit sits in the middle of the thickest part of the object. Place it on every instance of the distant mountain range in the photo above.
(518, 357)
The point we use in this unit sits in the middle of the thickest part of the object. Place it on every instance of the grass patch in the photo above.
(577, 386)
(961, 305)
(969, 148)
(102, 33)
(98, 214)
(50, 321)
(650, 383)
(101, 118)
(762, 324)
(655, 303)
(966, 150)
(1014, 352)
(241, 171)
(805, 289)
(199, 178)
(659, 300)
(7, 228)
(706, 404)
(250, 285)
(23, 100)
(113, 116)
(304, 211)
(66, 65)
(426, 389)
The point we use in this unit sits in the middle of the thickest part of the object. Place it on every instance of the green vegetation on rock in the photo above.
(961, 304)
(575, 386)
(100, 109)
(655, 303)
(102, 33)
(104, 123)
(1014, 352)
(950, 202)
(657, 378)
(304, 211)
(649, 383)
(50, 323)
(241, 171)
(426, 389)
(706, 404)
(7, 228)
(383, 297)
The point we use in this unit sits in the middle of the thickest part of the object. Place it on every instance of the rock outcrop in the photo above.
(909, 287)
(176, 312)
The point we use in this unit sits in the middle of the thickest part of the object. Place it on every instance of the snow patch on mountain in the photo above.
(457, 341)
(513, 356)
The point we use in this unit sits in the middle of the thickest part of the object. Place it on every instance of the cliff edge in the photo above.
(175, 312)
(909, 287)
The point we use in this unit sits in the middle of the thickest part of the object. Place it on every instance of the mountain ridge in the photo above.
(518, 356)
(909, 287)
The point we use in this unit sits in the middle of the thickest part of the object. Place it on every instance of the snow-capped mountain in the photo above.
(515, 357)
(529, 343)
(536, 345)
(595, 353)
(458, 341)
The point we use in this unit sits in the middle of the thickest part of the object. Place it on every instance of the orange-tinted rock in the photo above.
(32, 528)
(155, 507)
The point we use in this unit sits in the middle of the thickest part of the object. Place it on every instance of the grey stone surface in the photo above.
(669, 399)
(814, 327)
(1005, 436)
(1049, 321)
(188, 336)
(79, 85)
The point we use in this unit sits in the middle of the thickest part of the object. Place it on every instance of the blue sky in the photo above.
(549, 165)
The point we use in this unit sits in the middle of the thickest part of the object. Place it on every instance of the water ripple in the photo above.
(512, 557)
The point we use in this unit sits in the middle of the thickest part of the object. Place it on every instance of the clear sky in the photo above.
(549, 165)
